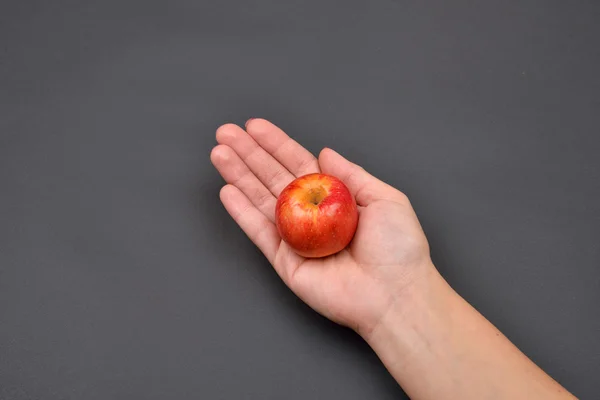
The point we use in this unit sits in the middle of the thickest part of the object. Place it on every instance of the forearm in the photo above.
(438, 347)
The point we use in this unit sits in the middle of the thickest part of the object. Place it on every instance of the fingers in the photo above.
(269, 171)
(283, 148)
(364, 186)
(254, 223)
(235, 172)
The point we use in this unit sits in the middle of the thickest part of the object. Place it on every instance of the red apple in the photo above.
(316, 215)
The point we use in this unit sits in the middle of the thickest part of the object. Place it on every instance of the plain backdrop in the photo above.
(122, 276)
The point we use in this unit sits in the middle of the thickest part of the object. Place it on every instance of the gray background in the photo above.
(121, 275)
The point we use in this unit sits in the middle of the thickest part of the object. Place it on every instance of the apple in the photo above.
(316, 215)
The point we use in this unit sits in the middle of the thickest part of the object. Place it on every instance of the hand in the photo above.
(383, 284)
(355, 287)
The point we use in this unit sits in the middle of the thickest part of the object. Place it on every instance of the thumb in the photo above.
(364, 187)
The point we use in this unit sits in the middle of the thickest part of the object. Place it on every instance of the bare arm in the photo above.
(439, 347)
(384, 285)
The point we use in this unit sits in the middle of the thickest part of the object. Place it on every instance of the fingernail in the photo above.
(247, 122)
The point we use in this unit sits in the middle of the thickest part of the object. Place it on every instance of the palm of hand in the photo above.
(353, 287)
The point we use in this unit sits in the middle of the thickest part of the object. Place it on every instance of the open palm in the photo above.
(353, 287)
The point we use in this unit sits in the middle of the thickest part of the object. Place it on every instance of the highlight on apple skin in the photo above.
(316, 215)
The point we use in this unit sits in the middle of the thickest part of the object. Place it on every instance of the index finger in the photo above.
(283, 148)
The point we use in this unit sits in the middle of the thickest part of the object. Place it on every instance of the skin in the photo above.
(384, 285)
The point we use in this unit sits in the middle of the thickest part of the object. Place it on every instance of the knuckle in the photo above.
(275, 177)
(261, 197)
(306, 165)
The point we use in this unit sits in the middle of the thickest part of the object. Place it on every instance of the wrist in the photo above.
(411, 311)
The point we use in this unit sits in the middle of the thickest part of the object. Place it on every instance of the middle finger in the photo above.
(268, 170)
